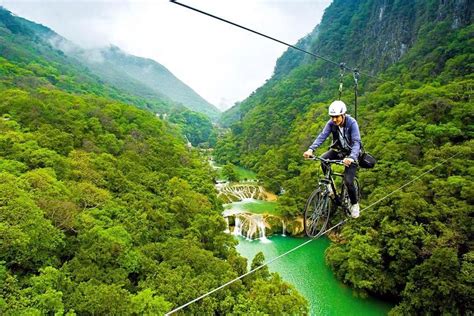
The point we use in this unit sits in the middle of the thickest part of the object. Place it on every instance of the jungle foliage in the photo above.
(197, 128)
(103, 209)
(415, 246)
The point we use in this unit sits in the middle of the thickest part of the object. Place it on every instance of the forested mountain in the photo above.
(145, 81)
(414, 246)
(103, 210)
(152, 75)
(121, 69)
(29, 60)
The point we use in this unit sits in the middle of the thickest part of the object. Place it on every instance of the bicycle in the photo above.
(325, 198)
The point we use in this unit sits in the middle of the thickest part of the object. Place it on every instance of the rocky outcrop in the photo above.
(234, 192)
(295, 227)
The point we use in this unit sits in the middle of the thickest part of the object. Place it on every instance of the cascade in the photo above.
(237, 227)
(241, 192)
(227, 225)
(261, 226)
(250, 226)
(283, 225)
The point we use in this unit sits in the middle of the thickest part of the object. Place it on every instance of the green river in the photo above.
(306, 270)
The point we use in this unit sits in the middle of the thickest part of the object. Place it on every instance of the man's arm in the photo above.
(355, 137)
(322, 136)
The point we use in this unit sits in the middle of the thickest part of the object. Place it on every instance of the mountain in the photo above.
(413, 244)
(371, 35)
(137, 77)
(103, 208)
(156, 77)
(31, 61)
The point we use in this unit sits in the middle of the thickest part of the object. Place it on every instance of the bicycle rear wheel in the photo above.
(316, 212)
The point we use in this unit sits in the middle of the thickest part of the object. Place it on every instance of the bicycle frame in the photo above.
(318, 208)
(328, 177)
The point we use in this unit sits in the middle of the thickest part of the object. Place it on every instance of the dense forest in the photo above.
(414, 247)
(103, 209)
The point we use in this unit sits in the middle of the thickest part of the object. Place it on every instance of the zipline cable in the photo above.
(306, 242)
(271, 38)
(238, 278)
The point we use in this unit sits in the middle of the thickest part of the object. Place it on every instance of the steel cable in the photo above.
(275, 39)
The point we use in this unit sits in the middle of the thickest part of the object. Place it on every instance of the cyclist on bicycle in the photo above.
(346, 146)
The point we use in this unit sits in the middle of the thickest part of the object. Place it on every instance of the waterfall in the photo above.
(243, 192)
(283, 224)
(250, 226)
(261, 226)
(227, 230)
(237, 227)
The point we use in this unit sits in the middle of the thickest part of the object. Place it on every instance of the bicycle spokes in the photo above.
(316, 213)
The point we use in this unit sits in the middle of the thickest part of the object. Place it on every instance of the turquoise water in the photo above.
(253, 206)
(306, 270)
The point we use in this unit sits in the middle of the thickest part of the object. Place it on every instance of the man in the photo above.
(346, 146)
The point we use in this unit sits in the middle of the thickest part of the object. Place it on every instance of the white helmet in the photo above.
(337, 108)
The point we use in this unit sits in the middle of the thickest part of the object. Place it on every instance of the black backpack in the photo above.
(366, 160)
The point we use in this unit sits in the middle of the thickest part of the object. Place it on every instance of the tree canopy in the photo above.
(414, 246)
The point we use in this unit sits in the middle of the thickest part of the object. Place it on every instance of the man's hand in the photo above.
(347, 161)
(308, 153)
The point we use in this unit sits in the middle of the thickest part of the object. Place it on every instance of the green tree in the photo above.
(228, 171)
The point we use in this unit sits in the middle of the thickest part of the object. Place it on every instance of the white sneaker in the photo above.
(355, 210)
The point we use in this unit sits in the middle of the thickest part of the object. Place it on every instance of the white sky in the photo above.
(222, 63)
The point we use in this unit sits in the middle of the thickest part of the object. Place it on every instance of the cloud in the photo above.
(222, 63)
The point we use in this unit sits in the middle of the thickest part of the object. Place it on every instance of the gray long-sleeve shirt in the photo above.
(351, 132)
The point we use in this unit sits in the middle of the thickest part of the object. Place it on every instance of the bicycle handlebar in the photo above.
(329, 161)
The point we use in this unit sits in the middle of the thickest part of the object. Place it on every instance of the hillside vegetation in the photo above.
(151, 79)
(149, 83)
(415, 245)
(103, 209)
(28, 61)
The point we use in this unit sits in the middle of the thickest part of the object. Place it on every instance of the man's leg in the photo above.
(349, 175)
(331, 155)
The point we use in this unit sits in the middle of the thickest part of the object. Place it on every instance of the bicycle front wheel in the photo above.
(316, 213)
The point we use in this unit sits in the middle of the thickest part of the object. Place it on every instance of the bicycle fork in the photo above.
(328, 188)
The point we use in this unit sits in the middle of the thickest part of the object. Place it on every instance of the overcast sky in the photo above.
(222, 63)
